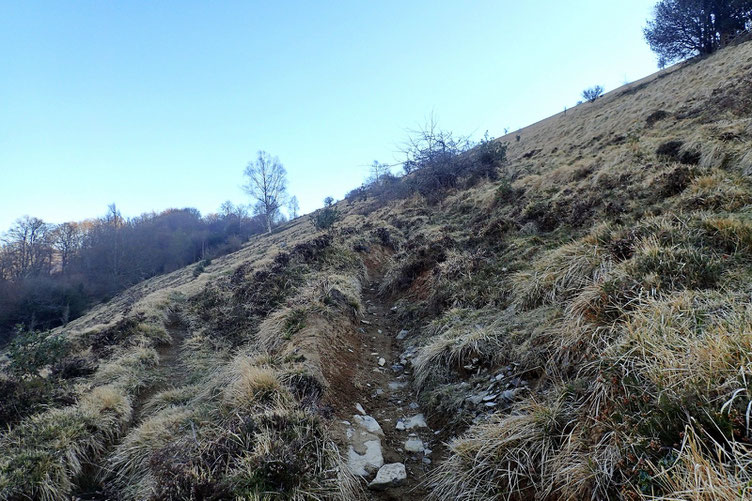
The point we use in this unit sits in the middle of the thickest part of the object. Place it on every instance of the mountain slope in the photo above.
(578, 328)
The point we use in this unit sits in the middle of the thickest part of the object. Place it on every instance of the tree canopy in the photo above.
(685, 28)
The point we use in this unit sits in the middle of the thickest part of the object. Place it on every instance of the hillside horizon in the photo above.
(560, 313)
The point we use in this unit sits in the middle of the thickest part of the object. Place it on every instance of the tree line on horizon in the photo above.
(51, 274)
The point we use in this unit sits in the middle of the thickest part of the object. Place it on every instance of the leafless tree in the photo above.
(266, 183)
(67, 239)
(28, 242)
(378, 171)
(293, 207)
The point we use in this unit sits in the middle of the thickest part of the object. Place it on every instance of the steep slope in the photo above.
(578, 328)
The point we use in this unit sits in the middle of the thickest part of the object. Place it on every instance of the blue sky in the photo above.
(161, 104)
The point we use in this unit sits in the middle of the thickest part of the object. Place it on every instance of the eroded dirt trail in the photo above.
(384, 379)
(170, 367)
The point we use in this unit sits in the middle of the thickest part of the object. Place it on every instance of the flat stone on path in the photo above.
(369, 424)
(365, 464)
(417, 421)
(389, 475)
(364, 454)
(414, 444)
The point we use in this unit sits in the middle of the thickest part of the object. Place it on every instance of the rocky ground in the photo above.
(389, 441)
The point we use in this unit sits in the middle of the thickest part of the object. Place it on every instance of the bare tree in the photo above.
(28, 243)
(293, 207)
(378, 172)
(66, 238)
(266, 183)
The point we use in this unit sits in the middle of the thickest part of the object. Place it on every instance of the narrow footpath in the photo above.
(389, 441)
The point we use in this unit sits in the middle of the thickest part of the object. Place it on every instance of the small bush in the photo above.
(201, 267)
(323, 219)
(31, 351)
(593, 93)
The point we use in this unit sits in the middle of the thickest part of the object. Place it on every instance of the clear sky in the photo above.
(158, 104)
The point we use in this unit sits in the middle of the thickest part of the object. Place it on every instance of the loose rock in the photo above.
(389, 475)
(414, 444)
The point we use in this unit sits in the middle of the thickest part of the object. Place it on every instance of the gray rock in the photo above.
(368, 424)
(476, 399)
(402, 334)
(508, 394)
(360, 409)
(417, 421)
(397, 385)
(382, 361)
(414, 444)
(369, 461)
(389, 475)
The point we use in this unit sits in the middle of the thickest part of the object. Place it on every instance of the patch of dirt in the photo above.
(384, 391)
(169, 365)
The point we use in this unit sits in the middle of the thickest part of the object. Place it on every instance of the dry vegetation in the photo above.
(602, 281)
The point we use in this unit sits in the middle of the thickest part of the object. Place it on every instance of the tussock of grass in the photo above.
(561, 274)
(43, 455)
(705, 470)
(251, 387)
(129, 463)
(507, 457)
(132, 371)
(461, 337)
(718, 190)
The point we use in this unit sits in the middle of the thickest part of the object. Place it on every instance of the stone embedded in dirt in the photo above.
(488, 398)
(370, 461)
(417, 421)
(365, 322)
(380, 331)
(476, 399)
(508, 394)
(414, 444)
(364, 455)
(402, 334)
(389, 475)
(398, 368)
(397, 385)
(360, 408)
(369, 424)
(382, 361)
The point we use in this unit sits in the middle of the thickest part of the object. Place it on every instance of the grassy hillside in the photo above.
(579, 328)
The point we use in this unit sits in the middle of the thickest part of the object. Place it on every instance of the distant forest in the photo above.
(51, 274)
